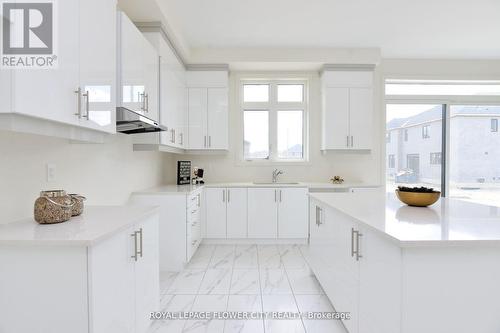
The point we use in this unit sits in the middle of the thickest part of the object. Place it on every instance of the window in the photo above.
(290, 136)
(435, 159)
(413, 167)
(391, 161)
(463, 159)
(274, 121)
(388, 137)
(426, 132)
(494, 125)
(256, 140)
(474, 157)
(256, 93)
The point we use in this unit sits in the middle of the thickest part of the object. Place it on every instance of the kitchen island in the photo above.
(406, 269)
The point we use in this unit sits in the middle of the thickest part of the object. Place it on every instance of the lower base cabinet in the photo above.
(262, 213)
(108, 287)
(180, 227)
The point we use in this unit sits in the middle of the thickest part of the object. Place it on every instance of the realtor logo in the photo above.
(28, 34)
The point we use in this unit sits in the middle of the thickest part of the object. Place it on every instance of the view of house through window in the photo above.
(415, 146)
(475, 153)
(274, 114)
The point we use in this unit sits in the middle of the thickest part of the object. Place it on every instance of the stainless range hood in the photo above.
(131, 122)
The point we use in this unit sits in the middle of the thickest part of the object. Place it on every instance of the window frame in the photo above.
(447, 102)
(273, 106)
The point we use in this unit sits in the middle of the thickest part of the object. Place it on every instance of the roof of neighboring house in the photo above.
(435, 114)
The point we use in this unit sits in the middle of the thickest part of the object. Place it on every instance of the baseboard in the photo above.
(225, 241)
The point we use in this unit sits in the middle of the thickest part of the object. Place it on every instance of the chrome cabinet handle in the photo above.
(146, 102)
(135, 255)
(181, 136)
(140, 244)
(223, 195)
(275, 196)
(358, 253)
(79, 107)
(353, 251)
(280, 196)
(347, 141)
(320, 216)
(317, 214)
(210, 141)
(352, 141)
(355, 235)
(228, 195)
(87, 104)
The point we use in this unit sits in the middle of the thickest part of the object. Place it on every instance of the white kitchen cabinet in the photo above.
(215, 199)
(98, 69)
(181, 222)
(237, 213)
(208, 118)
(226, 212)
(113, 284)
(82, 277)
(292, 213)
(207, 110)
(197, 117)
(138, 70)
(361, 273)
(262, 213)
(80, 92)
(347, 110)
(147, 274)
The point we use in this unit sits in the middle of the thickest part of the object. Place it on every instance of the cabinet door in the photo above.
(147, 273)
(217, 118)
(98, 69)
(236, 213)
(197, 118)
(380, 284)
(315, 250)
(292, 213)
(335, 118)
(215, 199)
(361, 117)
(262, 213)
(343, 286)
(112, 277)
(131, 65)
(151, 79)
(50, 93)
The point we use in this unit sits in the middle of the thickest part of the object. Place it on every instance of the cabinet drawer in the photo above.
(194, 200)
(193, 214)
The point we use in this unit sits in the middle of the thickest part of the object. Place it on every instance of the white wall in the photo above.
(351, 166)
(104, 173)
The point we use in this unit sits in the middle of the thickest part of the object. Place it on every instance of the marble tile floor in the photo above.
(256, 278)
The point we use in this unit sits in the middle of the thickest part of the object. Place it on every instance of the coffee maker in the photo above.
(198, 176)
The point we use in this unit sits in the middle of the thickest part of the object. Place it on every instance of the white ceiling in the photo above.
(400, 28)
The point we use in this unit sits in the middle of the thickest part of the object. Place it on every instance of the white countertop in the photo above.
(447, 222)
(187, 189)
(95, 224)
(170, 189)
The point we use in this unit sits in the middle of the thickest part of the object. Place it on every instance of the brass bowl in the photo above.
(418, 199)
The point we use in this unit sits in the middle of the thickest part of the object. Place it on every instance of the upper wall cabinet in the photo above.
(138, 70)
(80, 90)
(208, 110)
(347, 113)
(172, 99)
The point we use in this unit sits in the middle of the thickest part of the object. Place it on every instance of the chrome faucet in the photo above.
(276, 173)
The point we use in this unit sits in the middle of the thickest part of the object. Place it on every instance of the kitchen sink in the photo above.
(277, 183)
